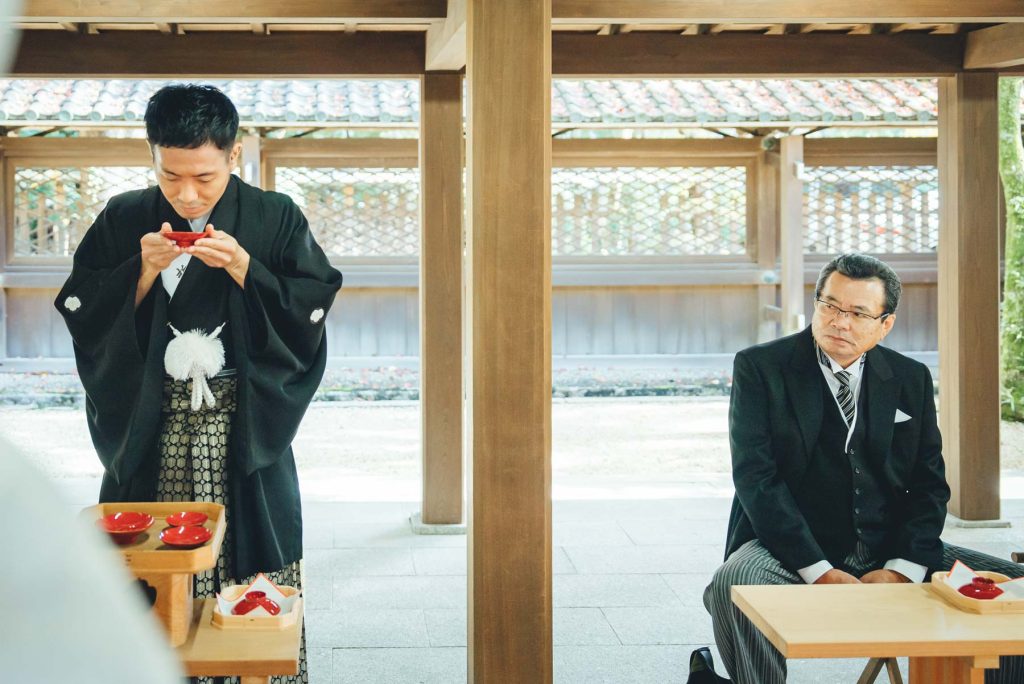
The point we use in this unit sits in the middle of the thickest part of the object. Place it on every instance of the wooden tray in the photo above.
(265, 622)
(972, 605)
(148, 555)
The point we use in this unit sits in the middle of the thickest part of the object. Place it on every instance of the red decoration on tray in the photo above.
(980, 588)
(254, 600)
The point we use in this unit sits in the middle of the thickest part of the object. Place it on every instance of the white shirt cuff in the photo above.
(812, 573)
(912, 571)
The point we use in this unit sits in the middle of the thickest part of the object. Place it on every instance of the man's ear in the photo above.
(236, 152)
(887, 324)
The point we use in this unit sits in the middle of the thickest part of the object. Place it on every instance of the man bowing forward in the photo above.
(199, 361)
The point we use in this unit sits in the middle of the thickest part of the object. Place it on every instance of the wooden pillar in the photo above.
(969, 291)
(791, 232)
(6, 195)
(766, 178)
(250, 163)
(441, 147)
(509, 376)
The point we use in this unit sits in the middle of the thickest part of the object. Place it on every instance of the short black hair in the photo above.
(863, 267)
(189, 116)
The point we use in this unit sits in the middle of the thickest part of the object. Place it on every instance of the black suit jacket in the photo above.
(775, 417)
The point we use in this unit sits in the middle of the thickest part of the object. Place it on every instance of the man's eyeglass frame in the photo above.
(854, 316)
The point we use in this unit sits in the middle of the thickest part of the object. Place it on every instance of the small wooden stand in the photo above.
(204, 649)
(168, 570)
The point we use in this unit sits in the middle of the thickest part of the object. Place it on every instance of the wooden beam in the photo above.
(787, 11)
(870, 152)
(509, 381)
(969, 292)
(441, 154)
(995, 47)
(811, 55)
(791, 234)
(230, 11)
(126, 54)
(446, 41)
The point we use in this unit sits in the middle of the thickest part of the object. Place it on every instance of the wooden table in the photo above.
(255, 655)
(945, 645)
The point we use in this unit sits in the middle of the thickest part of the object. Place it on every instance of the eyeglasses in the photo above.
(853, 316)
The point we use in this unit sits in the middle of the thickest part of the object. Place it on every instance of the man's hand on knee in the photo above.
(837, 576)
(884, 576)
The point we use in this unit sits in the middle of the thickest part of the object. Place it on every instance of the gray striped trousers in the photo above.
(751, 659)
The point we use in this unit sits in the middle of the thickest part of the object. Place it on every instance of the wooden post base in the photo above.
(956, 670)
(173, 604)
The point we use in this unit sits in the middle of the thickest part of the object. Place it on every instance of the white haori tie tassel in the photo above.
(195, 356)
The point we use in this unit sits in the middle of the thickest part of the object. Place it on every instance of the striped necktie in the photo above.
(844, 396)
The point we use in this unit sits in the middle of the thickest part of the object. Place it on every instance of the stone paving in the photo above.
(386, 606)
(639, 516)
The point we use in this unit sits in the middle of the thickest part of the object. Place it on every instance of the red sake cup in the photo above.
(185, 537)
(125, 526)
(184, 238)
(187, 519)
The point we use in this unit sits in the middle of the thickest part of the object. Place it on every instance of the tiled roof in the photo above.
(576, 102)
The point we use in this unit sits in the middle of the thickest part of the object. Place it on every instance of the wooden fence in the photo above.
(704, 282)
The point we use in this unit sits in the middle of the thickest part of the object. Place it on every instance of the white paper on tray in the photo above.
(261, 583)
(960, 575)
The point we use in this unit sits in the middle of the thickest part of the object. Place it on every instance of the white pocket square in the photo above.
(901, 417)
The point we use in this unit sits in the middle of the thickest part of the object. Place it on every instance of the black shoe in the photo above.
(702, 668)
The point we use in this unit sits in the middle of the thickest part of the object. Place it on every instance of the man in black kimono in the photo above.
(256, 283)
(837, 462)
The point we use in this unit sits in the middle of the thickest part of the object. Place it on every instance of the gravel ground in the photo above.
(635, 439)
(44, 389)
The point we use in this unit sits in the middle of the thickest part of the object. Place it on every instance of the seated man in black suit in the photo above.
(837, 462)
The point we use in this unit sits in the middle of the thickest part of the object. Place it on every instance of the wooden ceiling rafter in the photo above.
(996, 47)
(446, 40)
(232, 12)
(208, 54)
(787, 11)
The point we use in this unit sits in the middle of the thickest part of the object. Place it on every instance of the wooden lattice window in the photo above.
(53, 207)
(876, 209)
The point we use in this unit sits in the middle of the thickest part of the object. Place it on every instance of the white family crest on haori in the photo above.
(195, 356)
(316, 316)
(72, 304)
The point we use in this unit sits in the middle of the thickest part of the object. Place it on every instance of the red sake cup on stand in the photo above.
(187, 519)
(185, 537)
(125, 526)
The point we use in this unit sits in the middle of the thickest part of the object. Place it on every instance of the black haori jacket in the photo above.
(277, 342)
